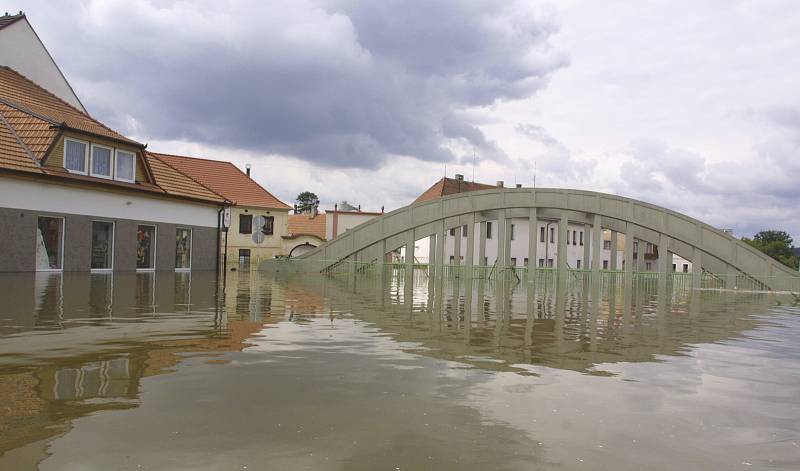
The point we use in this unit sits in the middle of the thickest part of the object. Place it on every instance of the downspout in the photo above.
(219, 233)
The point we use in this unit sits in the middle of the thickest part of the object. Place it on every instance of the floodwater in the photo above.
(175, 371)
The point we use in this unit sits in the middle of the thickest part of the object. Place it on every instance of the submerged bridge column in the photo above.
(533, 234)
(664, 259)
(482, 244)
(440, 242)
(597, 245)
(469, 260)
(561, 252)
(612, 261)
(627, 260)
(431, 254)
(697, 270)
(501, 263)
(457, 248)
(586, 247)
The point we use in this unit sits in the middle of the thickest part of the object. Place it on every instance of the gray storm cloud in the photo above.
(331, 82)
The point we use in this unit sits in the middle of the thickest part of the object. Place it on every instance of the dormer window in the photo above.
(101, 161)
(76, 155)
(126, 163)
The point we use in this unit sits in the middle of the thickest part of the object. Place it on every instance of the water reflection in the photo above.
(363, 372)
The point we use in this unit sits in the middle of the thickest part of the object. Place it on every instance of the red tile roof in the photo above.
(224, 179)
(305, 224)
(177, 183)
(450, 186)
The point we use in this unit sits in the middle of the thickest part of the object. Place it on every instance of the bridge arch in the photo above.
(708, 249)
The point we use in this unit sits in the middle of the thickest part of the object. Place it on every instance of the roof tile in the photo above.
(307, 224)
(450, 186)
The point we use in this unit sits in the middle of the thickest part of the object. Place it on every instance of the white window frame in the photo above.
(116, 157)
(112, 164)
(85, 156)
(113, 247)
(63, 237)
(155, 247)
(191, 248)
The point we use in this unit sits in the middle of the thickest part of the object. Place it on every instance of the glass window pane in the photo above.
(75, 156)
(101, 161)
(146, 247)
(183, 248)
(49, 237)
(102, 244)
(125, 165)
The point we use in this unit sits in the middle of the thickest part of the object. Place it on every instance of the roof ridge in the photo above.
(155, 156)
(86, 114)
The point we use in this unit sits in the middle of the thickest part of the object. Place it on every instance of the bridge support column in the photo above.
(664, 259)
(533, 235)
(628, 257)
(561, 253)
(730, 277)
(457, 250)
(597, 245)
(502, 241)
(410, 255)
(482, 245)
(697, 268)
(440, 242)
(469, 259)
(586, 247)
(431, 254)
(640, 262)
(612, 261)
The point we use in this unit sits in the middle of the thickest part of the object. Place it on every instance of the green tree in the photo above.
(306, 201)
(776, 244)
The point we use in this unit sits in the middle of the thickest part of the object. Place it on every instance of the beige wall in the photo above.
(272, 246)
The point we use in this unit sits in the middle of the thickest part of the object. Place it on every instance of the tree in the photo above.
(776, 244)
(306, 201)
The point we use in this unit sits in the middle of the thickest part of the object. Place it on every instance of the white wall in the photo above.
(347, 220)
(21, 50)
(49, 197)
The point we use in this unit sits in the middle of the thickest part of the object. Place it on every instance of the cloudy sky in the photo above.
(692, 105)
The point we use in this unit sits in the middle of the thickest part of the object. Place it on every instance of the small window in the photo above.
(488, 229)
(605, 264)
(485, 261)
(244, 257)
(126, 166)
(574, 237)
(525, 261)
(245, 224)
(552, 235)
(146, 248)
(606, 245)
(550, 262)
(464, 230)
(578, 265)
(101, 161)
(581, 237)
(541, 234)
(648, 266)
(541, 261)
(102, 245)
(512, 232)
(452, 232)
(674, 267)
(269, 225)
(76, 154)
(513, 261)
(49, 243)
(183, 249)
(686, 268)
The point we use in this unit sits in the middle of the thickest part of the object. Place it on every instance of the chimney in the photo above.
(335, 220)
(313, 211)
(500, 183)
(519, 185)
(247, 167)
(459, 177)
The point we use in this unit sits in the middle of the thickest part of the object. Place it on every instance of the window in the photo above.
(244, 258)
(146, 248)
(581, 237)
(183, 249)
(513, 261)
(525, 261)
(512, 232)
(605, 264)
(485, 261)
(574, 237)
(101, 161)
(102, 245)
(75, 155)
(452, 232)
(245, 224)
(464, 230)
(606, 245)
(541, 262)
(649, 248)
(452, 259)
(126, 166)
(578, 265)
(49, 243)
(686, 268)
(674, 267)
(488, 229)
(269, 225)
(648, 266)
(552, 235)
(541, 234)
(550, 262)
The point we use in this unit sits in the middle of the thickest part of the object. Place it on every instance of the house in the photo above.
(76, 195)
(309, 230)
(259, 220)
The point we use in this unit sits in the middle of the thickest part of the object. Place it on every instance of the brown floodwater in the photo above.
(176, 371)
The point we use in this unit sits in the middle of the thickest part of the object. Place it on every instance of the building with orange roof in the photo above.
(76, 195)
(258, 220)
(308, 230)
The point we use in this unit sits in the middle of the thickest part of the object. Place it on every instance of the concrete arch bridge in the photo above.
(710, 251)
